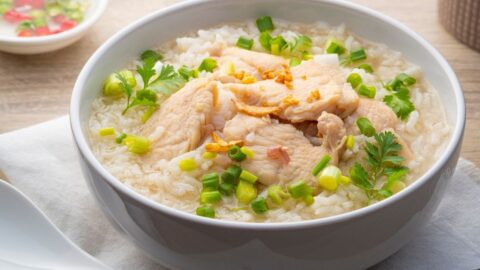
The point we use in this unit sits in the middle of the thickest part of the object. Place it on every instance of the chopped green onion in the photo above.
(106, 131)
(245, 43)
(112, 86)
(367, 91)
(308, 199)
(120, 138)
(276, 194)
(208, 64)
(366, 67)
(205, 211)
(35, 14)
(137, 144)
(226, 189)
(264, 40)
(345, 180)
(235, 171)
(209, 155)
(235, 154)
(54, 10)
(246, 192)
(334, 46)
(295, 61)
(358, 55)
(210, 181)
(321, 165)
(350, 142)
(276, 44)
(187, 164)
(265, 23)
(187, 72)
(330, 178)
(247, 151)
(395, 186)
(228, 177)
(307, 56)
(148, 113)
(248, 176)
(259, 205)
(210, 196)
(302, 43)
(39, 22)
(354, 79)
(365, 127)
(406, 79)
(299, 189)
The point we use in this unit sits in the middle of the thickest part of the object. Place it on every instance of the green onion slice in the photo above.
(358, 55)
(321, 165)
(210, 181)
(259, 205)
(245, 43)
(210, 196)
(355, 80)
(365, 127)
(265, 23)
(367, 91)
(208, 64)
(366, 67)
(334, 46)
(206, 211)
(235, 154)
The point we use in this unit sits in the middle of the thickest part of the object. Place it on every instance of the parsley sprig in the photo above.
(382, 161)
(399, 99)
(166, 82)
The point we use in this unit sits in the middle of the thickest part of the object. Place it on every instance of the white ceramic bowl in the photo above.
(43, 44)
(352, 240)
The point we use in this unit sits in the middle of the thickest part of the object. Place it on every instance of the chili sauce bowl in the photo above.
(48, 43)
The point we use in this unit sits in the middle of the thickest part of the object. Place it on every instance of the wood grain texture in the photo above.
(37, 88)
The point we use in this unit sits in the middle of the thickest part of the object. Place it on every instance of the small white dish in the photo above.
(31, 241)
(43, 44)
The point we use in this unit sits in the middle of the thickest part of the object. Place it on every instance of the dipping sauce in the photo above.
(30, 18)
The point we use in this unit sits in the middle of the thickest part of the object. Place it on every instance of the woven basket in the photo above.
(462, 19)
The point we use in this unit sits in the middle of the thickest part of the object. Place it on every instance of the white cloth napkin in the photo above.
(41, 162)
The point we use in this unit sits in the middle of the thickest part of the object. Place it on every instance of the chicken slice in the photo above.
(315, 88)
(264, 134)
(381, 116)
(182, 120)
(242, 62)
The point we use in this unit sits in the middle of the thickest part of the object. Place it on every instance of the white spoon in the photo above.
(28, 240)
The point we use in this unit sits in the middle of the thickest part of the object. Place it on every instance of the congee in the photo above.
(268, 121)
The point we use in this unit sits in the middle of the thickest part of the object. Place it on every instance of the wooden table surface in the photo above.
(37, 88)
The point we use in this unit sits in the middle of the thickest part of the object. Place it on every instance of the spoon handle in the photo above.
(30, 241)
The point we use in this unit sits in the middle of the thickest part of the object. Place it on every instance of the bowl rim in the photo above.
(98, 10)
(88, 156)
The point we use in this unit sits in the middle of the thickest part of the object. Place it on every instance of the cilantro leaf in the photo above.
(384, 153)
(400, 103)
(126, 88)
(147, 71)
(167, 72)
(149, 54)
(168, 86)
(360, 177)
(143, 97)
(382, 161)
